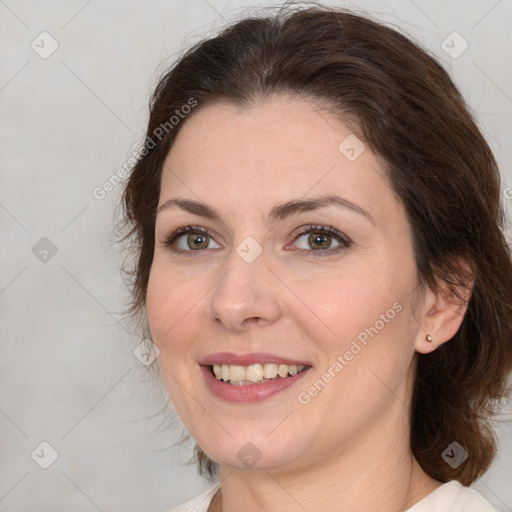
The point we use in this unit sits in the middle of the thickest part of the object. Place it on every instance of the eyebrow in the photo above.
(279, 212)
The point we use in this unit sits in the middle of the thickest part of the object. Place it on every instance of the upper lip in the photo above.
(248, 359)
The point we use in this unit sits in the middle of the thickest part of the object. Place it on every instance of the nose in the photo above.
(246, 296)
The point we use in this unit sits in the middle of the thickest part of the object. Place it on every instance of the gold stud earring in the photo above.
(428, 338)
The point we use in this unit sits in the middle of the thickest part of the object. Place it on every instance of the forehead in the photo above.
(278, 149)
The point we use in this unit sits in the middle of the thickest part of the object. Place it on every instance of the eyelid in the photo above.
(185, 230)
(344, 240)
(317, 228)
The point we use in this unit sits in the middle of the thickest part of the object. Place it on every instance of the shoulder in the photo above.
(200, 503)
(453, 497)
(450, 497)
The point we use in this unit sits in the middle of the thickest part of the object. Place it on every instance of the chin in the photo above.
(257, 455)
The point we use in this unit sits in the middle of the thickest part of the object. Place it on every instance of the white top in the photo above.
(449, 497)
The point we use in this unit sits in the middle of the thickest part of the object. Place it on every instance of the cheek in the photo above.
(170, 304)
(170, 312)
(367, 351)
(157, 303)
(344, 306)
(363, 327)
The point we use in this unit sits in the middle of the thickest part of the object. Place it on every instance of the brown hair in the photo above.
(403, 104)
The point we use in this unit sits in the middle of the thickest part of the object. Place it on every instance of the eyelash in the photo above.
(345, 242)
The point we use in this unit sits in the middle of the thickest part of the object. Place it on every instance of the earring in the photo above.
(428, 338)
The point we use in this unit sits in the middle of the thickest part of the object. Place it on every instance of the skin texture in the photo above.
(348, 447)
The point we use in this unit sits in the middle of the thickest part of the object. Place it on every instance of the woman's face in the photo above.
(266, 286)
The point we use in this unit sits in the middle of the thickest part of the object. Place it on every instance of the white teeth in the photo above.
(270, 371)
(236, 372)
(255, 373)
(283, 370)
(293, 369)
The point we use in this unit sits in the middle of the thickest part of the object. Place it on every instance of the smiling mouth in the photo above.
(236, 375)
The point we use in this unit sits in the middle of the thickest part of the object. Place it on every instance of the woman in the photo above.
(321, 260)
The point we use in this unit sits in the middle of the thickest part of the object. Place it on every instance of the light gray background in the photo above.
(68, 373)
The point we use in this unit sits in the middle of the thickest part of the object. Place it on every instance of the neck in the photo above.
(378, 473)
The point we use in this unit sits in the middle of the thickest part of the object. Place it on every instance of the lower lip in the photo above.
(251, 392)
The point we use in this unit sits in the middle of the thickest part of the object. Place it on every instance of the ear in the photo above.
(443, 310)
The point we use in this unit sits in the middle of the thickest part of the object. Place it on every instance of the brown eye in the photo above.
(190, 239)
(197, 241)
(320, 241)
